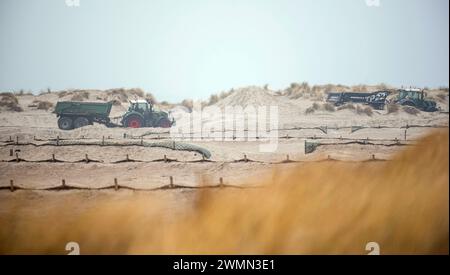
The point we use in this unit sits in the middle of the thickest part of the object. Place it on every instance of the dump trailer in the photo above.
(72, 114)
(377, 99)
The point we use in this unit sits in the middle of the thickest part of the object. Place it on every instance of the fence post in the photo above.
(221, 182)
(57, 140)
(11, 185)
(127, 158)
(245, 158)
(103, 140)
(63, 183)
(171, 182)
(17, 140)
(86, 158)
(11, 152)
(116, 184)
(17, 157)
(53, 158)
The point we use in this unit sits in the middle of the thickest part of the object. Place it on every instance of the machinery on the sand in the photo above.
(141, 113)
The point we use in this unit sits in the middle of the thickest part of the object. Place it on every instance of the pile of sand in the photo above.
(254, 96)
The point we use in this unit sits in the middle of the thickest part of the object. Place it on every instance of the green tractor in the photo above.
(416, 98)
(143, 114)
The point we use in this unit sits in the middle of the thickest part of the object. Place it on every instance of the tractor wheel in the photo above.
(80, 122)
(164, 123)
(65, 123)
(134, 122)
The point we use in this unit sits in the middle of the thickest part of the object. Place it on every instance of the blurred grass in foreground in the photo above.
(320, 208)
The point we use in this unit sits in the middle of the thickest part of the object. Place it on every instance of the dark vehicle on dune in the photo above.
(376, 100)
(416, 98)
(405, 97)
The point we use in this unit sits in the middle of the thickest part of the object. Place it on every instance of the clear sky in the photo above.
(180, 49)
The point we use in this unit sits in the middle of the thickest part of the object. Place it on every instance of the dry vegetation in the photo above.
(366, 110)
(80, 95)
(309, 111)
(117, 96)
(10, 101)
(151, 98)
(45, 92)
(410, 110)
(62, 94)
(317, 107)
(392, 108)
(442, 97)
(328, 107)
(44, 105)
(123, 95)
(188, 103)
(303, 90)
(22, 93)
(41, 105)
(322, 208)
(440, 94)
(347, 106)
(359, 88)
(358, 109)
(214, 98)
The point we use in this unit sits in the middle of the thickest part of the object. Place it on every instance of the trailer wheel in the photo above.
(164, 123)
(134, 122)
(65, 123)
(80, 122)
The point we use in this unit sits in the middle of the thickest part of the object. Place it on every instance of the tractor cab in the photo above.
(412, 94)
(141, 106)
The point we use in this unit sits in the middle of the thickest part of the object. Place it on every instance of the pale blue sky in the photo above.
(191, 48)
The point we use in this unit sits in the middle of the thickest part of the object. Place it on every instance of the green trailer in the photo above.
(73, 114)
